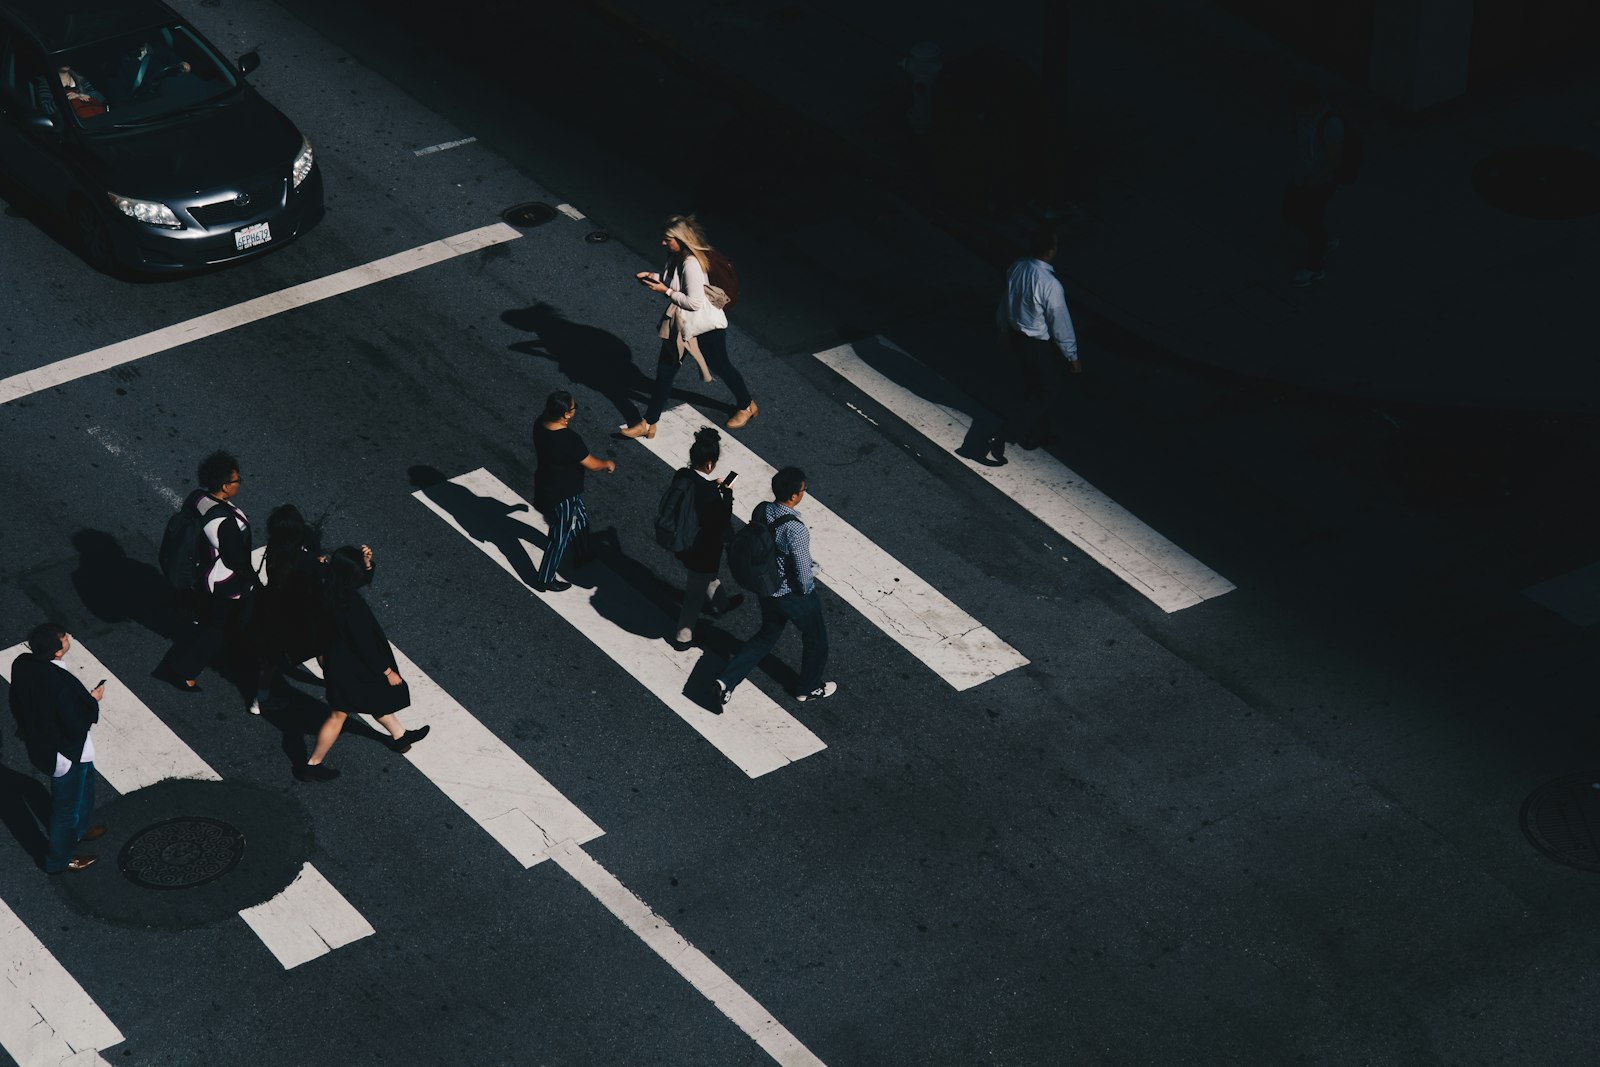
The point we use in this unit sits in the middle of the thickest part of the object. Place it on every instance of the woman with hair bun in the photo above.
(713, 506)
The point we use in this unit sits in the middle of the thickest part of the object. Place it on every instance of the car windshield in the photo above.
(142, 77)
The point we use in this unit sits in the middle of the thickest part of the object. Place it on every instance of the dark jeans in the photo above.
(71, 805)
(1044, 390)
(713, 346)
(1306, 209)
(805, 611)
(212, 622)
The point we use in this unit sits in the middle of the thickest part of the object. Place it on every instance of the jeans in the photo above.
(216, 621)
(71, 804)
(714, 346)
(805, 611)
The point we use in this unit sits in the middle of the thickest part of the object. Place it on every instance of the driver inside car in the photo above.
(142, 69)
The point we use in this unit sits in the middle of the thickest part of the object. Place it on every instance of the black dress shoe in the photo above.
(315, 772)
(552, 587)
(732, 602)
(403, 743)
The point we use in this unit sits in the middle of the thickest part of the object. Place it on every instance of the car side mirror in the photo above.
(249, 61)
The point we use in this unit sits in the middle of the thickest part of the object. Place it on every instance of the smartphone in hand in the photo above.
(726, 482)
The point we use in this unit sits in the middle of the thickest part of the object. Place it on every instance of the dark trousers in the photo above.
(569, 523)
(1305, 208)
(1043, 369)
(805, 611)
(713, 346)
(213, 621)
(71, 805)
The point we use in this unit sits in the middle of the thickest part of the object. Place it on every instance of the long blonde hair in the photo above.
(686, 229)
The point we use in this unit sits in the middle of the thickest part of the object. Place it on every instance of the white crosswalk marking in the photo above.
(134, 748)
(485, 779)
(957, 647)
(46, 1018)
(308, 919)
(752, 731)
(695, 966)
(1168, 576)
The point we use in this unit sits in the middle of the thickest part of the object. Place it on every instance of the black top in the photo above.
(560, 472)
(289, 607)
(53, 710)
(713, 507)
(356, 656)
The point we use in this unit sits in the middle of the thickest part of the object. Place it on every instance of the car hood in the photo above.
(241, 143)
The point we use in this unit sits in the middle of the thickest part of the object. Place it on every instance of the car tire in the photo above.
(93, 237)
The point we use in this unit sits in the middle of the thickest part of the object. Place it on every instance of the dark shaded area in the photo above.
(117, 588)
(24, 803)
(1540, 181)
(585, 355)
(1562, 819)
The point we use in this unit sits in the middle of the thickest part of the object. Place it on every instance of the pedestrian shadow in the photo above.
(483, 519)
(585, 355)
(116, 588)
(913, 376)
(298, 718)
(25, 811)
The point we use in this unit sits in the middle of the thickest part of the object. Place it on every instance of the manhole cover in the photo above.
(181, 853)
(1540, 181)
(1562, 819)
(532, 213)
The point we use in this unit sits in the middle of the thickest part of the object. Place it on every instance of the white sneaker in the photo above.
(821, 692)
(255, 707)
(685, 636)
(724, 694)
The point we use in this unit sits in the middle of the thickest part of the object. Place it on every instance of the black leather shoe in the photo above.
(403, 743)
(315, 772)
(732, 602)
(553, 587)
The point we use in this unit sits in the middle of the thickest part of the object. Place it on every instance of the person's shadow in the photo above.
(586, 355)
(117, 588)
(25, 810)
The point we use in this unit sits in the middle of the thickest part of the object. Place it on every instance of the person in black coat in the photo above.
(358, 664)
(283, 626)
(713, 505)
(54, 714)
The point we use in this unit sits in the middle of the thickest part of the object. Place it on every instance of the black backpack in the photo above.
(180, 555)
(753, 553)
(1351, 152)
(677, 521)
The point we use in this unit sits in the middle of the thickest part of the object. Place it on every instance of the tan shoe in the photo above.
(640, 429)
(743, 415)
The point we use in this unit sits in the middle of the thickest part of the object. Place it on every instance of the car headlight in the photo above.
(147, 211)
(302, 161)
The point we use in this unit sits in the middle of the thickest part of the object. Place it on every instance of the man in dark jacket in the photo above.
(220, 601)
(54, 713)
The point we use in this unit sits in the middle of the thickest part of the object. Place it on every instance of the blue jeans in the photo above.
(805, 611)
(71, 805)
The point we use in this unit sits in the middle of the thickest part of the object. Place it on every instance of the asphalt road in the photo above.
(1278, 826)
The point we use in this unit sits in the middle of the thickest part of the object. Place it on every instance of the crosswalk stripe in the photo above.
(493, 785)
(46, 1017)
(309, 918)
(134, 348)
(923, 621)
(1041, 484)
(134, 748)
(695, 966)
(752, 731)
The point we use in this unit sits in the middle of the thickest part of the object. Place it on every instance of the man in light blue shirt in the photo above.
(1036, 328)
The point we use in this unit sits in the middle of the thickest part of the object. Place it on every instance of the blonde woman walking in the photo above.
(691, 325)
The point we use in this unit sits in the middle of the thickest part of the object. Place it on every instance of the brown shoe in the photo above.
(743, 415)
(94, 833)
(640, 429)
(77, 863)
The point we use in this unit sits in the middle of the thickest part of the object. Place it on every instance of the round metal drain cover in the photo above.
(1562, 819)
(181, 853)
(597, 237)
(1540, 181)
(532, 213)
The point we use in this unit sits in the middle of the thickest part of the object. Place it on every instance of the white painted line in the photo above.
(917, 616)
(135, 348)
(308, 919)
(46, 1018)
(571, 212)
(133, 748)
(712, 981)
(114, 443)
(752, 731)
(1056, 496)
(486, 780)
(444, 147)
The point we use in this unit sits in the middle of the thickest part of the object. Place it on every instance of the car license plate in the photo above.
(250, 236)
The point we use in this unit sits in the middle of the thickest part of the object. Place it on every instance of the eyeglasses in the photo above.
(233, 481)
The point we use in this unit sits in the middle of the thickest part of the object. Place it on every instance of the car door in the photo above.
(32, 144)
